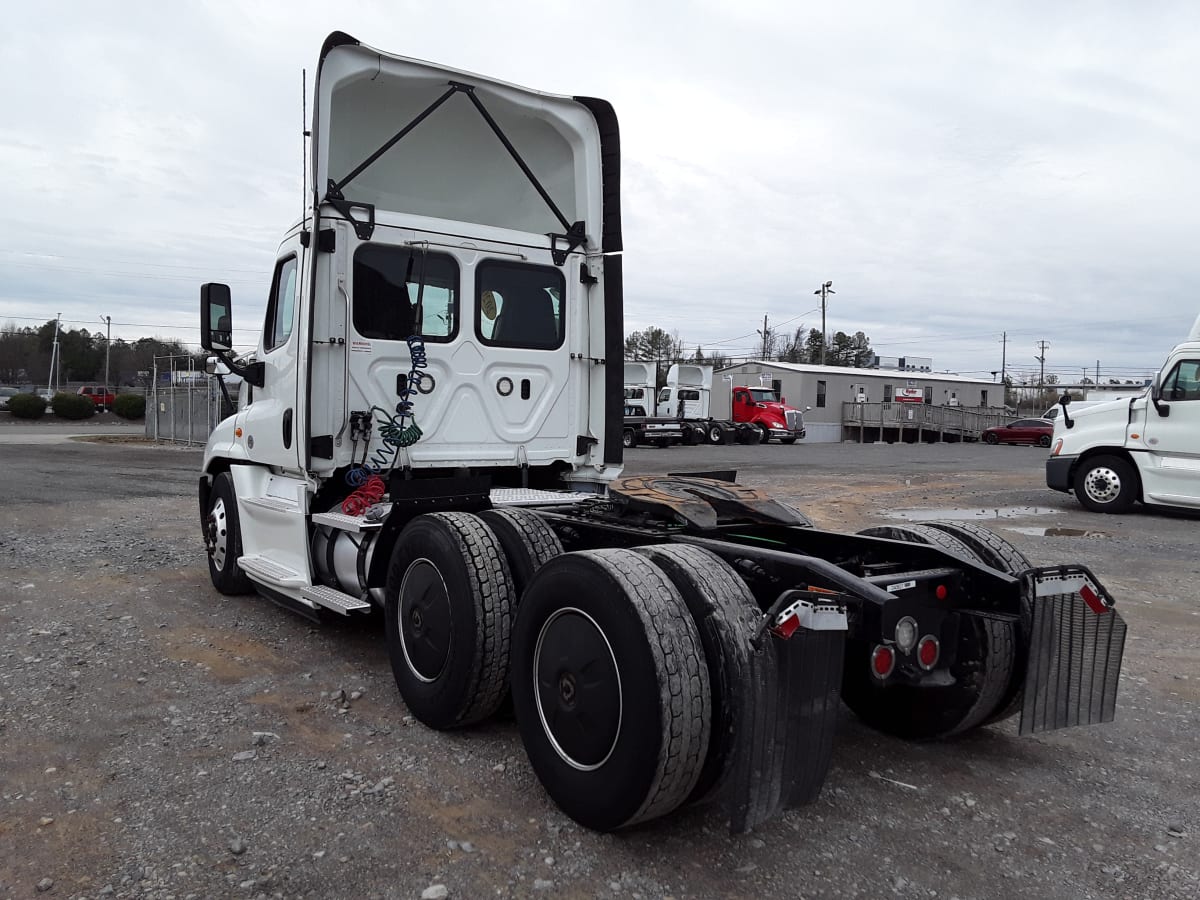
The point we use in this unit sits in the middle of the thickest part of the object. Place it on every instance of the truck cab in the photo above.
(762, 407)
(1144, 448)
(414, 332)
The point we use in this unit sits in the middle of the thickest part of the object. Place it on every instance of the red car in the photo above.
(1021, 431)
(104, 399)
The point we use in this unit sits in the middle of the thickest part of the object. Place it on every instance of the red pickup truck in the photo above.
(99, 394)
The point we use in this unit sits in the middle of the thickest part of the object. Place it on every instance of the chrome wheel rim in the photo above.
(218, 534)
(1102, 484)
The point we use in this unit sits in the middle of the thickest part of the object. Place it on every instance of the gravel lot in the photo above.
(159, 740)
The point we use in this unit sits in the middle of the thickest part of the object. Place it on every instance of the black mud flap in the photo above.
(701, 502)
(1076, 644)
(788, 710)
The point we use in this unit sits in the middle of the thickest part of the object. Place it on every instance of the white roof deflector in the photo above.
(398, 134)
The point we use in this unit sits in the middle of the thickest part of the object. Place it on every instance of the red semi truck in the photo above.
(762, 407)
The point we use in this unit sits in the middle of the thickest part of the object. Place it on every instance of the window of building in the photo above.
(929, 394)
(402, 291)
(281, 307)
(887, 393)
(983, 397)
(518, 305)
(820, 393)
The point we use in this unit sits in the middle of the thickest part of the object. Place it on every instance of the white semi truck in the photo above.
(1142, 448)
(431, 425)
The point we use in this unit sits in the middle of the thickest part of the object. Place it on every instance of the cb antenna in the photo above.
(304, 135)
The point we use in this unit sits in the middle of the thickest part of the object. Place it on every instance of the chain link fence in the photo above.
(184, 404)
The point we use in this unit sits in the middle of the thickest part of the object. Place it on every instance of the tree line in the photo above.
(25, 354)
(801, 346)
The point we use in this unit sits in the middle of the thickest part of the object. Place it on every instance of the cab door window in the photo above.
(281, 306)
(1184, 381)
(404, 291)
(519, 305)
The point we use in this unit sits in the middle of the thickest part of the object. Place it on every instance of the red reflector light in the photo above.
(883, 660)
(1092, 599)
(787, 627)
(928, 651)
(940, 592)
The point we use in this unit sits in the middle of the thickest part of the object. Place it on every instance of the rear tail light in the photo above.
(906, 634)
(941, 592)
(883, 660)
(928, 651)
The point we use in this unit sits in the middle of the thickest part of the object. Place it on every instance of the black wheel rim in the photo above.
(577, 688)
(424, 620)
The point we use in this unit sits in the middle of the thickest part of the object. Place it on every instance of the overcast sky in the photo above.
(957, 170)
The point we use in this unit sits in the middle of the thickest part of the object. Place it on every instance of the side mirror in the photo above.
(1156, 395)
(216, 318)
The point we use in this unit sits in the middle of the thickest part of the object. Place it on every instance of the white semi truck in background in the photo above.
(1142, 448)
(431, 425)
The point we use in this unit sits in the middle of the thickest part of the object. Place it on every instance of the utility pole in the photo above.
(107, 320)
(825, 289)
(765, 334)
(51, 381)
(1042, 345)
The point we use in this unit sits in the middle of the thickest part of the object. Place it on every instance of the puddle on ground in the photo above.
(1061, 532)
(965, 515)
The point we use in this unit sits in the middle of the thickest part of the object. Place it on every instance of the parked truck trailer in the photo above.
(431, 426)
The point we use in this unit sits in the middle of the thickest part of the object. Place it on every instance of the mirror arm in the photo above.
(251, 372)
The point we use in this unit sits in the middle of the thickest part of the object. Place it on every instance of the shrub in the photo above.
(27, 406)
(73, 406)
(130, 406)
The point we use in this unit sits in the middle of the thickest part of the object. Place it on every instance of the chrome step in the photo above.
(275, 504)
(333, 599)
(343, 522)
(534, 497)
(272, 572)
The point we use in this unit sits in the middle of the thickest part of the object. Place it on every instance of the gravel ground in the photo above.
(159, 740)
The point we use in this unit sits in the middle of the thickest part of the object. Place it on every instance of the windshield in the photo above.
(763, 395)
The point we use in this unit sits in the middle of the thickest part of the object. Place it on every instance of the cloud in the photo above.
(958, 171)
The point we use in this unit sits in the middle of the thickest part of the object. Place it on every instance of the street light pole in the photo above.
(107, 320)
(52, 381)
(825, 289)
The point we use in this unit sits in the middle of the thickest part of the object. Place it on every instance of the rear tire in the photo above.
(726, 615)
(224, 540)
(985, 659)
(715, 434)
(448, 620)
(628, 439)
(1106, 484)
(528, 543)
(991, 439)
(1044, 440)
(998, 553)
(610, 688)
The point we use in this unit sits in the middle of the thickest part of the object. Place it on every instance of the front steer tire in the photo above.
(448, 619)
(610, 688)
(224, 539)
(1106, 484)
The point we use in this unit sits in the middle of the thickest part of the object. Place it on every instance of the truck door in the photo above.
(496, 352)
(271, 422)
(1173, 473)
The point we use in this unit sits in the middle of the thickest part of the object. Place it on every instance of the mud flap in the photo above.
(1076, 645)
(788, 709)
